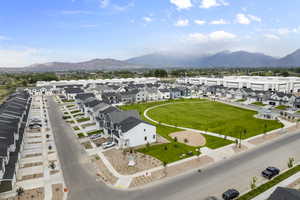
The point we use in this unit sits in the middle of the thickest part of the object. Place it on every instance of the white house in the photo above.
(135, 132)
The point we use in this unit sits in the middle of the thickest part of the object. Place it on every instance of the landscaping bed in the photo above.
(119, 160)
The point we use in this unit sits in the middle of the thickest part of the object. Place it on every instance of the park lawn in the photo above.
(173, 151)
(258, 103)
(264, 187)
(214, 117)
(282, 107)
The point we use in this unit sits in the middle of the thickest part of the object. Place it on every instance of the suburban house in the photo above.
(72, 92)
(111, 97)
(175, 93)
(133, 132)
(164, 94)
(129, 96)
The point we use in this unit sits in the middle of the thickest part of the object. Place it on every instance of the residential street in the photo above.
(232, 173)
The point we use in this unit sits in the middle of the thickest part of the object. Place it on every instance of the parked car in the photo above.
(230, 194)
(270, 172)
(96, 136)
(107, 145)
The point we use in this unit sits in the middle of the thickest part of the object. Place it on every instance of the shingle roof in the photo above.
(130, 123)
(285, 194)
(117, 116)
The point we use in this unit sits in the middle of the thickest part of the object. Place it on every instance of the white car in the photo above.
(107, 145)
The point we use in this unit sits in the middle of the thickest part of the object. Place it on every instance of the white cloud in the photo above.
(271, 36)
(182, 22)
(220, 21)
(213, 3)
(147, 19)
(121, 8)
(211, 37)
(242, 19)
(284, 31)
(199, 22)
(221, 35)
(182, 4)
(104, 3)
(254, 18)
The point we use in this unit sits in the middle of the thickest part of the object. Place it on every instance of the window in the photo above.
(144, 130)
(153, 137)
(145, 138)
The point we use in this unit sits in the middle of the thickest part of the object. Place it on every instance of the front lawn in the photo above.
(268, 185)
(214, 117)
(84, 119)
(258, 103)
(241, 100)
(75, 111)
(282, 107)
(95, 132)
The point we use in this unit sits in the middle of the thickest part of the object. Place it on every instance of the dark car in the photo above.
(270, 172)
(230, 194)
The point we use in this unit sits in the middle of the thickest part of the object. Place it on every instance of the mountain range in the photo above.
(169, 60)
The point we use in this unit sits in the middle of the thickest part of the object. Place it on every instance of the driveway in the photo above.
(237, 172)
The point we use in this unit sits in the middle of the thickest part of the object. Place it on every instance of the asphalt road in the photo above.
(236, 172)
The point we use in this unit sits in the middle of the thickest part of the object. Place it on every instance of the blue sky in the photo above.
(35, 31)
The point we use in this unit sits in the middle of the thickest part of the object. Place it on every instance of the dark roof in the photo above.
(73, 90)
(285, 194)
(117, 116)
(109, 110)
(130, 123)
(84, 96)
(164, 90)
(3, 147)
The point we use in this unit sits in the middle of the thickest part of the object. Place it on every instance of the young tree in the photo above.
(253, 183)
(52, 165)
(20, 191)
(165, 164)
(291, 162)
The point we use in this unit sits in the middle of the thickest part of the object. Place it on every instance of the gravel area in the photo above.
(36, 194)
(189, 138)
(120, 159)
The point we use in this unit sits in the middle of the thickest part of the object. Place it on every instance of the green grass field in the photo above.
(213, 117)
(172, 151)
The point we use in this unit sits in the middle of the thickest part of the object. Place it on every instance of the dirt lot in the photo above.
(171, 171)
(99, 142)
(189, 138)
(103, 172)
(119, 161)
(87, 145)
(57, 192)
(36, 194)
